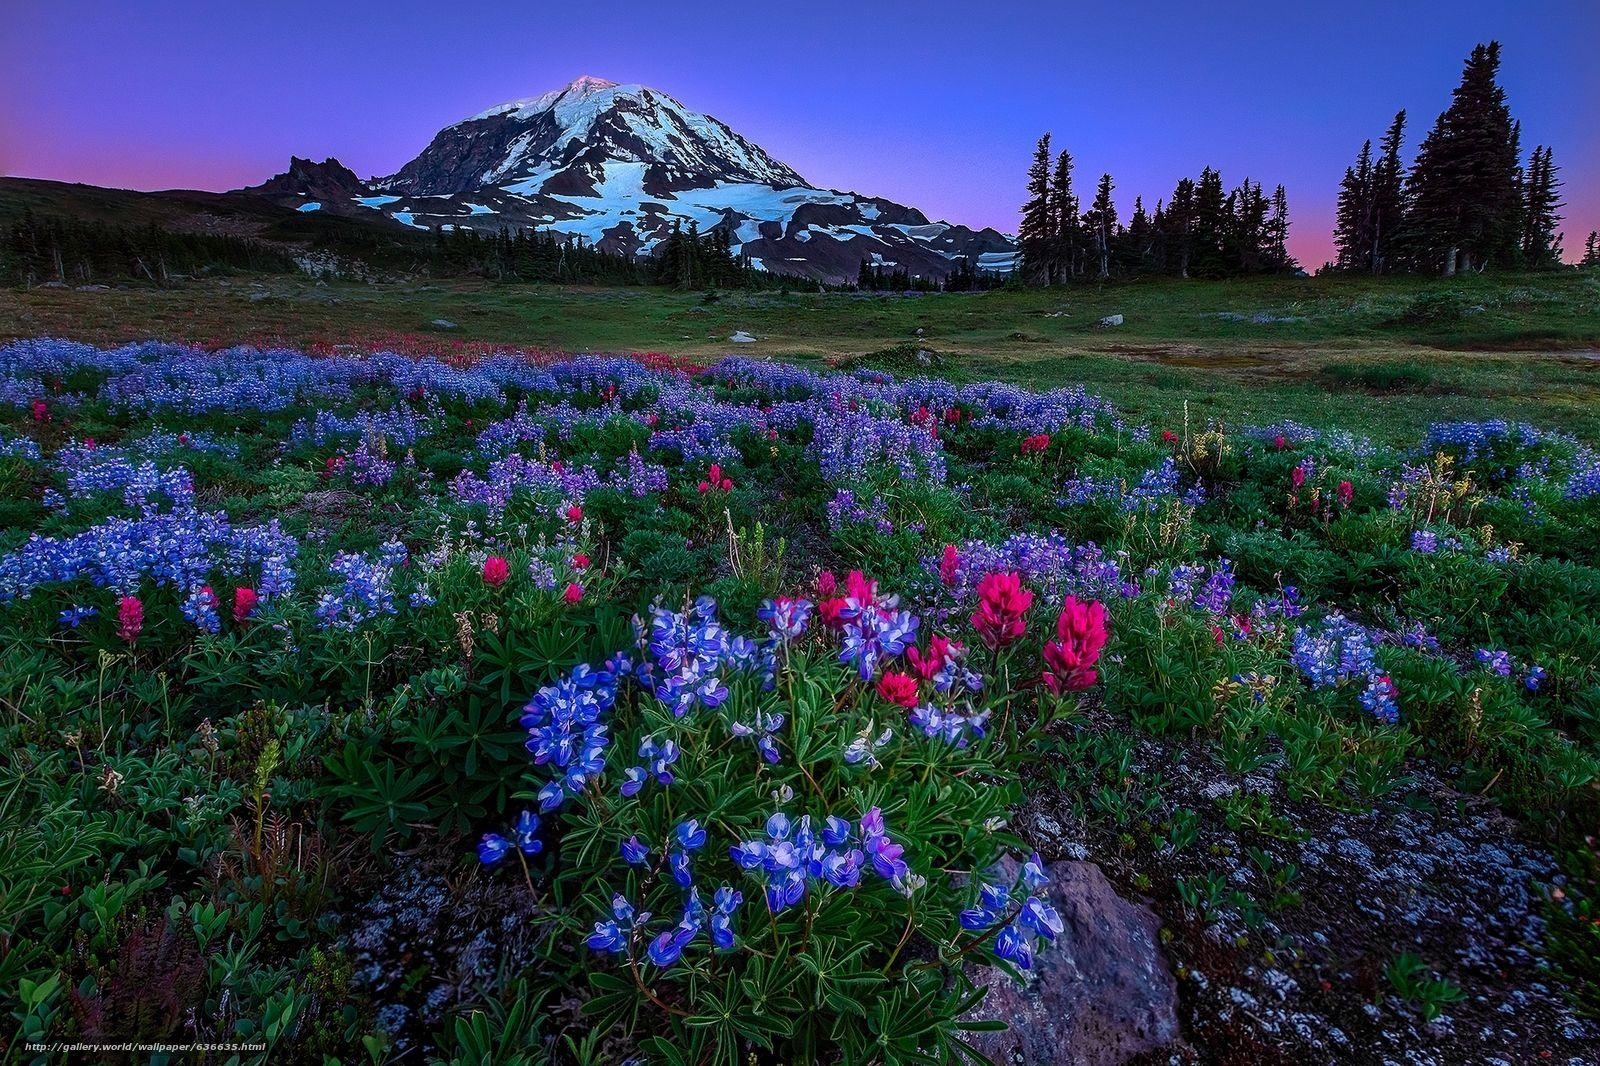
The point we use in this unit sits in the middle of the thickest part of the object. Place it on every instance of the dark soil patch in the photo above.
(1431, 872)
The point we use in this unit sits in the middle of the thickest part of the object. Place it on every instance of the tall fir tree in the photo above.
(1388, 197)
(1179, 228)
(1034, 234)
(1541, 212)
(1100, 223)
(1210, 225)
(1591, 250)
(1464, 206)
(1065, 236)
(1138, 251)
(1352, 232)
(1275, 244)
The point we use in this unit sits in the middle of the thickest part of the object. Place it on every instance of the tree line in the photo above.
(1201, 230)
(37, 249)
(1468, 201)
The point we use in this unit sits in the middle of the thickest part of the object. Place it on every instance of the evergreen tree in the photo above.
(1210, 224)
(1591, 250)
(1244, 237)
(1275, 248)
(1464, 207)
(1100, 223)
(1541, 244)
(1138, 245)
(1034, 234)
(1352, 233)
(1179, 228)
(1066, 236)
(1388, 197)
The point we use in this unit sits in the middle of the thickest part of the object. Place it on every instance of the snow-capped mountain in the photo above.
(618, 166)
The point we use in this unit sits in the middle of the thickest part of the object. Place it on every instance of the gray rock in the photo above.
(741, 337)
(1110, 320)
(1102, 994)
(443, 323)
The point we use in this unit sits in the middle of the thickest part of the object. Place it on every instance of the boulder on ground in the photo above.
(741, 337)
(1102, 994)
(1110, 320)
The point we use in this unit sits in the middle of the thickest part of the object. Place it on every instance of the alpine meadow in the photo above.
(594, 594)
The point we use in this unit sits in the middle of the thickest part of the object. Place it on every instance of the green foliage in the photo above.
(1411, 979)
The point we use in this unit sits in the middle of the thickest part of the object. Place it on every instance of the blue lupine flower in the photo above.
(1496, 659)
(691, 836)
(1041, 918)
(76, 615)
(667, 948)
(1033, 876)
(526, 831)
(614, 933)
(1534, 678)
(678, 864)
(492, 848)
(1014, 946)
(724, 904)
(836, 831)
(786, 616)
(635, 852)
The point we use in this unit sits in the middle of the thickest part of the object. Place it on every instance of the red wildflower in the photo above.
(925, 665)
(244, 603)
(580, 561)
(1347, 493)
(830, 611)
(715, 479)
(826, 583)
(574, 514)
(1297, 477)
(1001, 617)
(1036, 443)
(574, 593)
(898, 688)
(949, 565)
(1168, 437)
(41, 411)
(130, 618)
(495, 571)
(952, 416)
(1280, 442)
(858, 587)
(1080, 634)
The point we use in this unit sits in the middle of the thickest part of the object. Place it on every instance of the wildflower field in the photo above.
(520, 708)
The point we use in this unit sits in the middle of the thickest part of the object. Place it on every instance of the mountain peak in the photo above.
(588, 83)
(558, 142)
(579, 89)
(621, 166)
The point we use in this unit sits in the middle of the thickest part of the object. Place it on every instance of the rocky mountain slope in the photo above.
(618, 166)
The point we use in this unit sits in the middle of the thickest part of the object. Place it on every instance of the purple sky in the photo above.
(930, 104)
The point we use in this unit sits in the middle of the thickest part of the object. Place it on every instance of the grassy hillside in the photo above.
(1383, 357)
